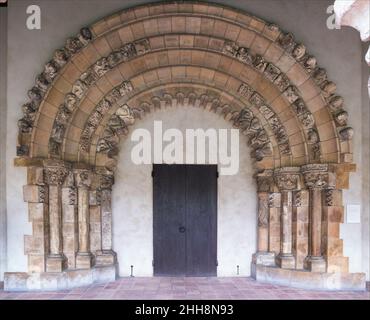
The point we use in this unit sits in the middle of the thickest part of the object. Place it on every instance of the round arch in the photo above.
(248, 71)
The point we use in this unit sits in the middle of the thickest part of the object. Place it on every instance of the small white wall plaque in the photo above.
(353, 213)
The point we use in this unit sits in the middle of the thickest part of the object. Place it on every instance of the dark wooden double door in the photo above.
(185, 220)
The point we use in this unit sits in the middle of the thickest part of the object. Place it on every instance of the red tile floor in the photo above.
(186, 288)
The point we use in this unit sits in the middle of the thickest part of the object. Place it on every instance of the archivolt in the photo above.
(245, 69)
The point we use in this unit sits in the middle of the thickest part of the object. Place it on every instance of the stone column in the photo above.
(84, 258)
(300, 227)
(317, 178)
(55, 173)
(106, 256)
(287, 180)
(69, 220)
(274, 222)
(264, 184)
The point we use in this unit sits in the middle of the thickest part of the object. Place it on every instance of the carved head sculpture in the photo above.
(42, 82)
(342, 117)
(346, 133)
(336, 103)
(299, 51)
(86, 33)
(70, 101)
(35, 95)
(60, 57)
(78, 88)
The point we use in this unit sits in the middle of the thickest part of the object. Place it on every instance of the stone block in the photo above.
(33, 245)
(338, 264)
(35, 194)
(56, 263)
(333, 214)
(315, 264)
(285, 261)
(84, 260)
(106, 257)
(36, 262)
(15, 281)
(264, 258)
(35, 175)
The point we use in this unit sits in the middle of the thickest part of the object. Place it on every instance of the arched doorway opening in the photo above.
(226, 61)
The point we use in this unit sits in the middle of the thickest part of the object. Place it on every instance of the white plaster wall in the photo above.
(338, 51)
(133, 201)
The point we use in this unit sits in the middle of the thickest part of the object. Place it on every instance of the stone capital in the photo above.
(106, 178)
(55, 171)
(318, 176)
(265, 181)
(287, 178)
(83, 178)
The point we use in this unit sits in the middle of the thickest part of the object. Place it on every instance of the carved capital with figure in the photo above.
(55, 171)
(83, 178)
(265, 181)
(106, 179)
(318, 176)
(287, 178)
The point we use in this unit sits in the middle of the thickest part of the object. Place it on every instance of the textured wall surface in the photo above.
(339, 51)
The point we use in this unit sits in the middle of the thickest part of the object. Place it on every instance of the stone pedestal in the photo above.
(84, 260)
(285, 261)
(56, 263)
(315, 264)
(106, 258)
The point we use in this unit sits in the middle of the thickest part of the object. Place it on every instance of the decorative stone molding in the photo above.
(265, 181)
(55, 171)
(83, 178)
(287, 178)
(277, 128)
(243, 120)
(318, 176)
(102, 108)
(167, 91)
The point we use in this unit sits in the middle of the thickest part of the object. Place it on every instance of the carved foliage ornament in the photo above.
(287, 179)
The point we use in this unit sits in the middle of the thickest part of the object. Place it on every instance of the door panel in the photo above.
(185, 220)
(169, 215)
(201, 220)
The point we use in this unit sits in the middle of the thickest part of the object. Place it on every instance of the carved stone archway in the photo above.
(136, 61)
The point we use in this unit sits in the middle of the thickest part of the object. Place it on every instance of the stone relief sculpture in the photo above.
(103, 106)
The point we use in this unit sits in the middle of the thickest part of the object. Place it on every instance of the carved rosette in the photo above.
(55, 172)
(318, 176)
(287, 178)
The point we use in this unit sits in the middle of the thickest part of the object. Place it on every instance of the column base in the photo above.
(56, 263)
(264, 258)
(285, 261)
(84, 260)
(315, 264)
(105, 258)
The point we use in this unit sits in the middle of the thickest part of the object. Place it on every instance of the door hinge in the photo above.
(216, 263)
(217, 174)
(152, 173)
